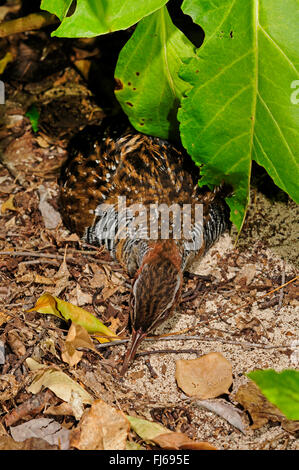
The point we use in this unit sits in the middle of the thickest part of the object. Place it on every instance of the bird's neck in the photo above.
(160, 250)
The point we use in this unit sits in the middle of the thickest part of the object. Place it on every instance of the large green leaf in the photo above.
(95, 17)
(281, 388)
(149, 88)
(57, 7)
(240, 106)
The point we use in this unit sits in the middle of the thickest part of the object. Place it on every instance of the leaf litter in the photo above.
(229, 310)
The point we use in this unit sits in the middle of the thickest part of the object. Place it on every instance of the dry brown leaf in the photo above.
(70, 355)
(102, 427)
(50, 216)
(77, 337)
(74, 408)
(34, 443)
(17, 346)
(83, 298)
(43, 428)
(64, 409)
(61, 279)
(178, 441)
(43, 280)
(260, 409)
(8, 205)
(205, 377)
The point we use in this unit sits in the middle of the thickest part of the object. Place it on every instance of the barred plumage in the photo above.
(111, 162)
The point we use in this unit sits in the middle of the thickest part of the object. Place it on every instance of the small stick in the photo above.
(152, 371)
(167, 351)
(48, 255)
(198, 338)
(27, 23)
(283, 279)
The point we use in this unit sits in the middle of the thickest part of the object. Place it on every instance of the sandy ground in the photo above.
(269, 256)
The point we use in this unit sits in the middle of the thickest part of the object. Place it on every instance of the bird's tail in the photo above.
(137, 337)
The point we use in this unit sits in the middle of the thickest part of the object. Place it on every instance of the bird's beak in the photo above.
(137, 337)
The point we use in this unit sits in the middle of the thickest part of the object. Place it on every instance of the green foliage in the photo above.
(235, 97)
(280, 388)
(57, 7)
(33, 115)
(150, 91)
(95, 17)
(239, 106)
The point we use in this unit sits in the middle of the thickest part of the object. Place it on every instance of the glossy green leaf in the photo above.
(280, 388)
(240, 106)
(57, 7)
(149, 88)
(95, 17)
(33, 115)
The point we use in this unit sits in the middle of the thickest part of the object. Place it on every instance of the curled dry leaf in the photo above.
(57, 381)
(50, 216)
(50, 304)
(77, 337)
(102, 427)
(205, 377)
(225, 410)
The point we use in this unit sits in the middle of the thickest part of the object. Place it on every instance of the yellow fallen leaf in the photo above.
(147, 430)
(49, 304)
(8, 205)
(205, 377)
(158, 434)
(57, 381)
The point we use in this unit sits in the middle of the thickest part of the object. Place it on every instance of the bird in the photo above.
(110, 163)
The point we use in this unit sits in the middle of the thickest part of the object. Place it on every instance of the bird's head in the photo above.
(156, 291)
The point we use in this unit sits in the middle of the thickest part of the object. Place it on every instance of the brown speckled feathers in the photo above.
(113, 160)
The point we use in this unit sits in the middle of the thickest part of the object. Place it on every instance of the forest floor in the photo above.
(237, 311)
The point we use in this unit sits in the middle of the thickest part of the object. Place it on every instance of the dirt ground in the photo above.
(231, 313)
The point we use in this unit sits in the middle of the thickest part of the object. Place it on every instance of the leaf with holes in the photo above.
(94, 17)
(149, 88)
(242, 103)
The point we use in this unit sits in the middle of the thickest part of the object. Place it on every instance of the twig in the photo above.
(152, 371)
(27, 23)
(200, 339)
(49, 256)
(167, 351)
(283, 279)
